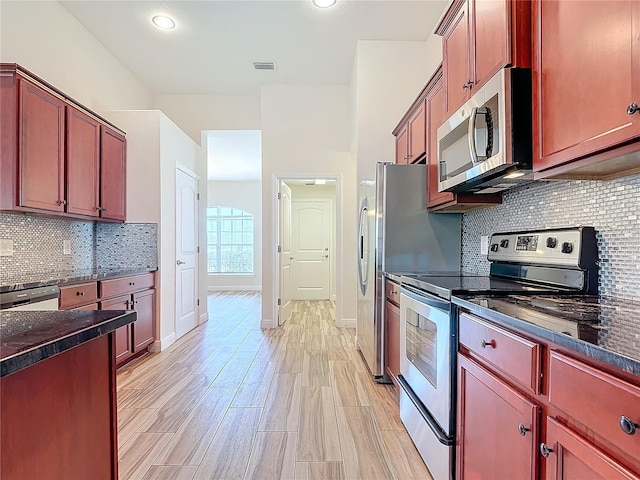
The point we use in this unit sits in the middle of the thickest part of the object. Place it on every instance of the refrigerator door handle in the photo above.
(362, 276)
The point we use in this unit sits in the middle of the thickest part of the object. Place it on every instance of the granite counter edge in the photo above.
(39, 353)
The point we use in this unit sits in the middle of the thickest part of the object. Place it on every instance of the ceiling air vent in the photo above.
(264, 66)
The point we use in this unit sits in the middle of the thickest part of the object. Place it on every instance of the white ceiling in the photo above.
(215, 42)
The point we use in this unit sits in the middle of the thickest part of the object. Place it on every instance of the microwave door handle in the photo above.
(472, 136)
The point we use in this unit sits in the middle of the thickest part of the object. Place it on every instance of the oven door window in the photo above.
(422, 349)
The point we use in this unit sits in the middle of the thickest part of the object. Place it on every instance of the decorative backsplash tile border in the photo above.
(611, 207)
(38, 246)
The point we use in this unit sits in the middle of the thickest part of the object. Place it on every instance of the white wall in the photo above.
(248, 197)
(194, 113)
(155, 145)
(321, 192)
(305, 130)
(389, 76)
(47, 40)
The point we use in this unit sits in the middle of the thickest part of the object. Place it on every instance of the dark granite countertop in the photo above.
(28, 337)
(603, 328)
(67, 278)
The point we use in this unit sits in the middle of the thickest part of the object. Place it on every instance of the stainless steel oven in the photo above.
(426, 396)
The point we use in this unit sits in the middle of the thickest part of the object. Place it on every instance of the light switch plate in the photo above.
(484, 245)
(66, 247)
(6, 247)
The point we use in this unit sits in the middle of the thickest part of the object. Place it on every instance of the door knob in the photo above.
(180, 262)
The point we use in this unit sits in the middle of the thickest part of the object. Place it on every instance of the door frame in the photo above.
(338, 262)
(195, 176)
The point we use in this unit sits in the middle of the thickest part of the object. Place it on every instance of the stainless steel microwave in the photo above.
(486, 145)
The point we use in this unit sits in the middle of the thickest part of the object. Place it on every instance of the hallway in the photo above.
(231, 401)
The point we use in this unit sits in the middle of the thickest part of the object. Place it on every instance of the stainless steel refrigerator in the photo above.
(396, 234)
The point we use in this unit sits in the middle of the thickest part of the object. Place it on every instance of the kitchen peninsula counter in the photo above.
(58, 394)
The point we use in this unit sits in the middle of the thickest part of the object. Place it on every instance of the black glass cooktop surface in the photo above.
(446, 286)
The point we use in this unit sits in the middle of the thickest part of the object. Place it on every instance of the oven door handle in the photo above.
(426, 298)
(442, 437)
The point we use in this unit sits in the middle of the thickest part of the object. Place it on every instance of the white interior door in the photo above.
(311, 223)
(186, 252)
(284, 255)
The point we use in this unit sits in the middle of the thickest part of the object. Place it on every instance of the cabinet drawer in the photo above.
(76, 295)
(122, 286)
(515, 357)
(393, 292)
(595, 399)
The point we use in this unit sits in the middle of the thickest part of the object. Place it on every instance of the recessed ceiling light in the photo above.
(324, 3)
(164, 22)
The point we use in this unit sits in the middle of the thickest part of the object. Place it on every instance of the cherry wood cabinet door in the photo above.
(83, 163)
(402, 146)
(571, 457)
(113, 175)
(490, 38)
(41, 149)
(586, 73)
(435, 109)
(144, 326)
(123, 340)
(392, 341)
(455, 50)
(417, 140)
(497, 427)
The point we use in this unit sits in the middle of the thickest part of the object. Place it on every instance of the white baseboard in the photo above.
(348, 323)
(160, 345)
(266, 323)
(204, 317)
(230, 288)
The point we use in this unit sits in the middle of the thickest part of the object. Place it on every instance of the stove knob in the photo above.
(567, 247)
(494, 247)
(504, 243)
(552, 242)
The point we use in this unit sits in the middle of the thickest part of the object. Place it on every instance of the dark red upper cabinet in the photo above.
(479, 37)
(32, 161)
(83, 163)
(113, 175)
(586, 79)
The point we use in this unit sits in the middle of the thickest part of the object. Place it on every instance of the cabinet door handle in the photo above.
(545, 451)
(522, 430)
(628, 426)
(467, 85)
(490, 343)
(61, 202)
(180, 262)
(633, 108)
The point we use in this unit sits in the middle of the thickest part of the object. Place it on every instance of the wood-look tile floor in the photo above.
(232, 401)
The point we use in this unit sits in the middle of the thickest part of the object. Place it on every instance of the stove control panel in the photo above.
(562, 247)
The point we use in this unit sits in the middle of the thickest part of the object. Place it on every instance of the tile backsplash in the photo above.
(611, 207)
(38, 246)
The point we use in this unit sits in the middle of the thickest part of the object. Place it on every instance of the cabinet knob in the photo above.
(544, 450)
(80, 294)
(64, 202)
(467, 85)
(490, 343)
(522, 430)
(180, 262)
(633, 108)
(628, 426)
